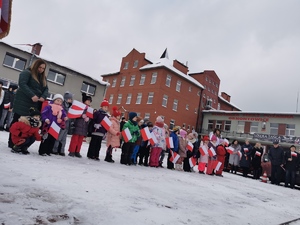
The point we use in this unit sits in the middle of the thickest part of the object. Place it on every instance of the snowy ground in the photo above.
(65, 190)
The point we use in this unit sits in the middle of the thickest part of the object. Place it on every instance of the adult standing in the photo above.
(257, 152)
(32, 91)
(292, 162)
(221, 154)
(1, 97)
(246, 157)
(234, 158)
(276, 156)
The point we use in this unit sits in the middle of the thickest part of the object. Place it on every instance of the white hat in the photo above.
(58, 96)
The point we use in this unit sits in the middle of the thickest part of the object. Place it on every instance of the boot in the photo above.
(16, 149)
(25, 151)
(77, 154)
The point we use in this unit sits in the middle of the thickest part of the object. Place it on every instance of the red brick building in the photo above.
(163, 88)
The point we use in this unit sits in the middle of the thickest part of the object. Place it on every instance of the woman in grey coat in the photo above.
(234, 158)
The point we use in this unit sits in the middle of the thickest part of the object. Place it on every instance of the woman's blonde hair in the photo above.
(34, 71)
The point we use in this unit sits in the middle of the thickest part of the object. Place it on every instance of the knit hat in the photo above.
(182, 133)
(58, 96)
(213, 138)
(86, 97)
(104, 103)
(1, 82)
(67, 96)
(159, 119)
(34, 112)
(116, 112)
(132, 115)
(205, 138)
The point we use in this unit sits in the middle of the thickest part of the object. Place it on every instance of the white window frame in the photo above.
(132, 79)
(122, 84)
(274, 128)
(175, 105)
(254, 127)
(187, 106)
(227, 125)
(111, 97)
(240, 127)
(168, 80)
(136, 63)
(150, 97)
(153, 78)
(147, 116)
(178, 86)
(165, 101)
(56, 75)
(210, 125)
(139, 98)
(15, 61)
(89, 88)
(114, 82)
(128, 99)
(143, 78)
(290, 129)
(119, 100)
(219, 124)
(126, 65)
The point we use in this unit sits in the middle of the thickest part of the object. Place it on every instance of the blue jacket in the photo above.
(175, 142)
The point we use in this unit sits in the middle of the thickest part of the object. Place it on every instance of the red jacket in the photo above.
(22, 129)
(221, 151)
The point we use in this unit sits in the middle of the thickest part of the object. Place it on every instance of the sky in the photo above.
(253, 46)
(63, 190)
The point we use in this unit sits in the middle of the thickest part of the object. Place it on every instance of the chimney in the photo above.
(225, 96)
(36, 48)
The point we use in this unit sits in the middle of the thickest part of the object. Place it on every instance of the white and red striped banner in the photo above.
(257, 153)
(90, 112)
(153, 139)
(7, 105)
(54, 130)
(190, 146)
(106, 123)
(203, 150)
(76, 109)
(174, 156)
(294, 154)
(218, 165)
(239, 154)
(246, 150)
(146, 135)
(169, 142)
(211, 152)
(126, 135)
(230, 150)
(192, 161)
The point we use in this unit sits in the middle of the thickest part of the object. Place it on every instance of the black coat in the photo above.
(276, 156)
(294, 164)
(246, 156)
(256, 160)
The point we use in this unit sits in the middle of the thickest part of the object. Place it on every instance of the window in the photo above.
(138, 114)
(50, 96)
(183, 125)
(203, 95)
(168, 80)
(219, 106)
(253, 127)
(290, 129)
(119, 99)
(56, 77)
(178, 86)
(208, 102)
(153, 78)
(216, 85)
(114, 82)
(227, 125)
(142, 80)
(210, 125)
(14, 62)
(138, 98)
(187, 106)
(208, 89)
(195, 110)
(199, 93)
(136, 63)
(172, 124)
(88, 88)
(165, 101)
(210, 81)
(132, 79)
(219, 124)
(147, 116)
(126, 65)
(274, 128)
(110, 100)
(206, 78)
(190, 88)
(150, 98)
(7, 83)
(175, 104)
(241, 127)
(123, 82)
(128, 100)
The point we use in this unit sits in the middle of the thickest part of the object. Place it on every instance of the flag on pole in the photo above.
(211, 152)
(230, 150)
(294, 154)
(5, 17)
(7, 105)
(146, 135)
(246, 150)
(54, 130)
(203, 150)
(169, 141)
(76, 109)
(192, 161)
(153, 139)
(126, 135)
(239, 154)
(90, 112)
(257, 153)
(106, 123)
(218, 165)
(174, 156)
(190, 146)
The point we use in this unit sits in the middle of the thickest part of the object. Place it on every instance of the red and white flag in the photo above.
(192, 161)
(126, 135)
(153, 139)
(239, 154)
(76, 109)
(211, 152)
(106, 123)
(246, 150)
(203, 150)
(190, 146)
(218, 165)
(257, 153)
(294, 154)
(54, 130)
(169, 141)
(146, 135)
(7, 105)
(226, 142)
(174, 156)
(230, 150)
(90, 112)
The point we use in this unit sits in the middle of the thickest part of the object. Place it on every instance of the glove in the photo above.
(47, 121)
(97, 126)
(83, 116)
(86, 119)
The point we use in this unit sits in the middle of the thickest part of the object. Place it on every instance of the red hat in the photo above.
(104, 103)
(205, 138)
(116, 112)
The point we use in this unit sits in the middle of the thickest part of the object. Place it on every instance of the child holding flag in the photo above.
(53, 117)
(189, 159)
(203, 150)
(212, 155)
(181, 149)
(145, 147)
(174, 135)
(80, 129)
(113, 134)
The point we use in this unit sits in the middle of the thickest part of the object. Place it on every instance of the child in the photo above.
(174, 136)
(137, 143)
(145, 147)
(52, 113)
(25, 132)
(186, 163)
(80, 129)
(97, 131)
(113, 134)
(181, 149)
(60, 143)
(212, 159)
(203, 159)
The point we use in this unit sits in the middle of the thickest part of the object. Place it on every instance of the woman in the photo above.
(246, 157)
(32, 91)
(257, 153)
(234, 158)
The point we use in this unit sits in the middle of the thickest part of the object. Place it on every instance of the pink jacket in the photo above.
(111, 137)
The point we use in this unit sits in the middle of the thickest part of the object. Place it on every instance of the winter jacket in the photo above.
(28, 87)
(203, 158)
(133, 129)
(81, 125)
(2, 93)
(276, 156)
(112, 138)
(246, 156)
(9, 98)
(234, 159)
(294, 164)
(221, 151)
(182, 147)
(160, 134)
(98, 116)
(22, 129)
(256, 159)
(175, 141)
(48, 113)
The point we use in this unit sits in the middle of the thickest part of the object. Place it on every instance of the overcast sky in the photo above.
(253, 46)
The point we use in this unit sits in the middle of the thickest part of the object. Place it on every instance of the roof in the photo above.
(110, 74)
(164, 62)
(250, 112)
(224, 100)
(50, 61)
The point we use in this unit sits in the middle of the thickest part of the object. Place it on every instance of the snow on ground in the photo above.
(65, 190)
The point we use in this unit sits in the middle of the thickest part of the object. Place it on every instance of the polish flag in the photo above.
(246, 150)
(76, 109)
(7, 105)
(257, 153)
(192, 161)
(218, 165)
(169, 141)
(239, 154)
(153, 139)
(226, 142)
(190, 146)
(106, 123)
(203, 150)
(294, 154)
(54, 130)
(90, 112)
(230, 150)
(146, 135)
(174, 157)
(126, 135)
(211, 152)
